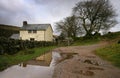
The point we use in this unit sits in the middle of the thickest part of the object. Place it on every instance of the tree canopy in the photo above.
(69, 26)
(95, 15)
(89, 16)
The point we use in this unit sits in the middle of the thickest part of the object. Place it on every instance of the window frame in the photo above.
(29, 31)
(34, 31)
(32, 39)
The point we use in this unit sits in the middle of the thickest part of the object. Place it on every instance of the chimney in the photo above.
(24, 23)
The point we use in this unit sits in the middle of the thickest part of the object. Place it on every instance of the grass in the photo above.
(85, 42)
(112, 36)
(9, 60)
(110, 53)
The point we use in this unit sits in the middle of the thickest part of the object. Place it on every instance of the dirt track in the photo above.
(85, 65)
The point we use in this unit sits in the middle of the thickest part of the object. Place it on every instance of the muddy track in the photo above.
(85, 64)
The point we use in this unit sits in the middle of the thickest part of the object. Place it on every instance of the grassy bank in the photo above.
(85, 42)
(22, 56)
(110, 53)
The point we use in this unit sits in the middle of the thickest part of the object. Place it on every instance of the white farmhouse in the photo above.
(36, 32)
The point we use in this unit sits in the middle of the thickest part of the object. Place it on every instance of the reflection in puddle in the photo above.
(31, 71)
(55, 58)
(43, 60)
(25, 70)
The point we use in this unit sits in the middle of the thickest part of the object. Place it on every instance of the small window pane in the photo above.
(32, 39)
(29, 31)
(34, 31)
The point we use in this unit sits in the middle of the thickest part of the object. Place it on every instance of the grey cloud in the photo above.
(38, 11)
(10, 11)
(15, 11)
(57, 6)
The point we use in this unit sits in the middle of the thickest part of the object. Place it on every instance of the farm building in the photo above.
(36, 32)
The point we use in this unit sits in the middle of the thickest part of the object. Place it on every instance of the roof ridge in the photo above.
(36, 26)
(39, 24)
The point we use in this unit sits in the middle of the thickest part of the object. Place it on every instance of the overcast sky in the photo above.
(14, 12)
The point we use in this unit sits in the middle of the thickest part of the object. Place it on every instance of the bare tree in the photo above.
(95, 15)
(68, 27)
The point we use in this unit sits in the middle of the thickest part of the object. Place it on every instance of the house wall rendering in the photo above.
(38, 36)
(49, 34)
(37, 32)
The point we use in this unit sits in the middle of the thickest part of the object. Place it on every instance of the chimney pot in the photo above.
(24, 23)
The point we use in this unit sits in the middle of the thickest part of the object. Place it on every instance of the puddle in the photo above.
(83, 72)
(41, 67)
(94, 68)
(43, 60)
(91, 62)
(31, 71)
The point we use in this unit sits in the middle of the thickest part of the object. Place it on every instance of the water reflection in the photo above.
(31, 71)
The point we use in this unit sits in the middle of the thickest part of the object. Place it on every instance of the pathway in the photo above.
(85, 65)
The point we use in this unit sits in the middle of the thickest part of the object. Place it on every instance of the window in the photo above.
(29, 31)
(32, 39)
(34, 31)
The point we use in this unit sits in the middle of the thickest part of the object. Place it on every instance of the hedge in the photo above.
(10, 46)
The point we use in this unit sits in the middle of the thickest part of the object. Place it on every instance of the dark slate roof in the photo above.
(35, 26)
(15, 36)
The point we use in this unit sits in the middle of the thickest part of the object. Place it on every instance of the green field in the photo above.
(22, 56)
(86, 42)
(110, 53)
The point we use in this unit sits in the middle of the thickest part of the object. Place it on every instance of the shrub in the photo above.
(3, 63)
(1, 50)
(10, 46)
(119, 42)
